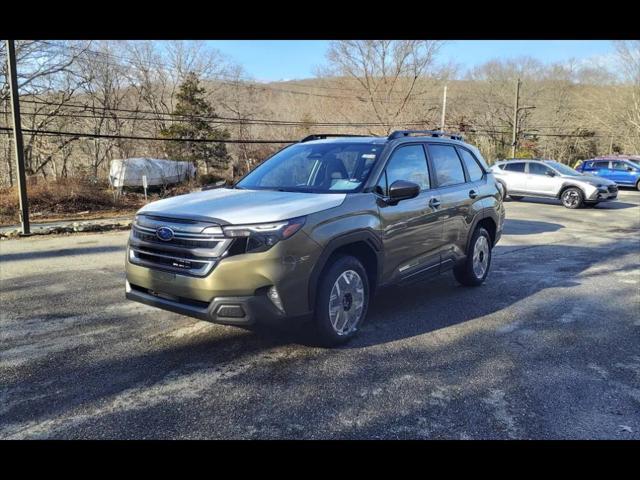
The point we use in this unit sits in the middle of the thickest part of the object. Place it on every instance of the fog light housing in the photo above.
(230, 311)
(273, 295)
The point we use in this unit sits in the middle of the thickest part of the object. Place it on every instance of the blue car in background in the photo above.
(624, 171)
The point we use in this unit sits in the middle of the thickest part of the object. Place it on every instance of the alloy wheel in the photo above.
(480, 256)
(346, 302)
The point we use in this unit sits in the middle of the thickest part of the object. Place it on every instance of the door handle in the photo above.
(434, 202)
(472, 194)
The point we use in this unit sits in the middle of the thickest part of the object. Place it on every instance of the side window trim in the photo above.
(431, 176)
(467, 176)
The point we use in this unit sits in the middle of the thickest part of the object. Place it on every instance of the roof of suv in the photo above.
(371, 139)
(622, 158)
(399, 135)
(525, 160)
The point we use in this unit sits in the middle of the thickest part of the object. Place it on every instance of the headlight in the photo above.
(262, 236)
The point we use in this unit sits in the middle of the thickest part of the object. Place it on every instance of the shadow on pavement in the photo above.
(528, 227)
(12, 257)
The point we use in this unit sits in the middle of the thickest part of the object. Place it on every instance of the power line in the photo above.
(133, 137)
(212, 140)
(247, 120)
(213, 117)
(222, 122)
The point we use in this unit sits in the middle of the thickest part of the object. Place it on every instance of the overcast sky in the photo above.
(269, 60)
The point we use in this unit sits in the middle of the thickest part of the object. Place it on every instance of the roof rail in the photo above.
(321, 136)
(432, 133)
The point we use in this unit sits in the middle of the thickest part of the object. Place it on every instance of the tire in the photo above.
(638, 185)
(504, 189)
(516, 197)
(341, 277)
(470, 273)
(572, 198)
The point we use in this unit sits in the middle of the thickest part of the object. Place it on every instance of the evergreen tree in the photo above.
(195, 115)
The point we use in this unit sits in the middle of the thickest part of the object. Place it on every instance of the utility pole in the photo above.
(17, 136)
(611, 145)
(514, 138)
(516, 110)
(444, 108)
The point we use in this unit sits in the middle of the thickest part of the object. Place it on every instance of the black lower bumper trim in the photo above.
(256, 308)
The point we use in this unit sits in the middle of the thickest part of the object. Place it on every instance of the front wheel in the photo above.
(342, 301)
(572, 198)
(638, 185)
(475, 268)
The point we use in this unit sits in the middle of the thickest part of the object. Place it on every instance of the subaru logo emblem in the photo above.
(164, 233)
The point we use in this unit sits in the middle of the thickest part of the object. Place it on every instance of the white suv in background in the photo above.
(548, 178)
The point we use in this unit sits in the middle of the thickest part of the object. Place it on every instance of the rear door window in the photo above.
(619, 166)
(447, 165)
(538, 168)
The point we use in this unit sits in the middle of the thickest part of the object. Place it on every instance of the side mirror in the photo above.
(631, 169)
(550, 173)
(403, 190)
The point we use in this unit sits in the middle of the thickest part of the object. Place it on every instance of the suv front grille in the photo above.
(179, 242)
(612, 188)
(189, 252)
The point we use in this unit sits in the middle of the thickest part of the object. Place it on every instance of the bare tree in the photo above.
(40, 63)
(629, 60)
(240, 99)
(386, 73)
(45, 73)
(104, 91)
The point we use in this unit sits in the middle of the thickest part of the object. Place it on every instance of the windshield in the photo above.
(564, 169)
(320, 168)
(635, 163)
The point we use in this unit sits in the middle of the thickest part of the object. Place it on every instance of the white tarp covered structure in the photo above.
(128, 172)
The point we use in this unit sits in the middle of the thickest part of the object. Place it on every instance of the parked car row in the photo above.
(593, 181)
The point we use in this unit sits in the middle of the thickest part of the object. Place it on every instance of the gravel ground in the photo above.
(549, 347)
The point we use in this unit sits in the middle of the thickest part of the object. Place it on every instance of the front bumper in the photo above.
(239, 280)
(240, 311)
(603, 195)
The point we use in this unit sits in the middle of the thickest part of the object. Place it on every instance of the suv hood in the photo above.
(236, 206)
(591, 179)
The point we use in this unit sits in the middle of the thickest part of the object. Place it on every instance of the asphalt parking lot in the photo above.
(548, 348)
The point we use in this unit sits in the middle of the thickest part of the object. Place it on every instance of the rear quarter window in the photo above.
(470, 161)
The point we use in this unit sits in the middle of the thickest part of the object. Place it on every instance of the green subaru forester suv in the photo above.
(316, 229)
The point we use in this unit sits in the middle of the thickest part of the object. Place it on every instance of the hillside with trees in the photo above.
(86, 103)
